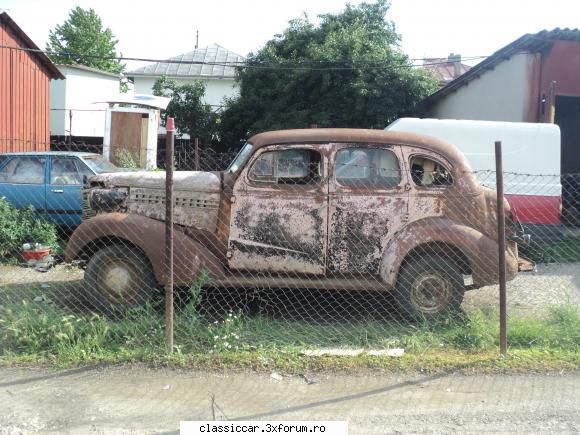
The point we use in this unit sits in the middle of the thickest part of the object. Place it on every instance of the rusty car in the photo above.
(344, 209)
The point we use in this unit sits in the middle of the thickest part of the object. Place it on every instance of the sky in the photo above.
(429, 28)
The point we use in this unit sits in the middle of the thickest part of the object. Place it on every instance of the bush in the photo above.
(126, 159)
(19, 226)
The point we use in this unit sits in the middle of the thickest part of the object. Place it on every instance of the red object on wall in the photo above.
(24, 91)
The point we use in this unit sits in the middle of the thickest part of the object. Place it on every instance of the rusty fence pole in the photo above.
(169, 144)
(196, 153)
(501, 248)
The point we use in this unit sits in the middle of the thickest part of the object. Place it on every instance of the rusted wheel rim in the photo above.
(119, 281)
(431, 292)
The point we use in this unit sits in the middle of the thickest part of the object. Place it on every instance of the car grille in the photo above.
(88, 212)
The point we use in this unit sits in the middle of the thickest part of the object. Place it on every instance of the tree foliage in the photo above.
(84, 41)
(192, 115)
(346, 71)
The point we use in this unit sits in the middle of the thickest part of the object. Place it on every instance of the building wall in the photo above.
(24, 97)
(215, 91)
(500, 94)
(78, 94)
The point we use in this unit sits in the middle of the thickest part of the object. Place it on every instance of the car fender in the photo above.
(480, 250)
(190, 257)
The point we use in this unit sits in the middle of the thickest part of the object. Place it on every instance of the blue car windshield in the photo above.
(99, 165)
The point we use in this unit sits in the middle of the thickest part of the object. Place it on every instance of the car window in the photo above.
(427, 172)
(23, 170)
(68, 170)
(367, 167)
(287, 167)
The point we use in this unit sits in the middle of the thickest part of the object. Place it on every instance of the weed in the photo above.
(19, 226)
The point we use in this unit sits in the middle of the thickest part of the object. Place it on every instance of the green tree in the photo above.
(346, 71)
(82, 40)
(192, 115)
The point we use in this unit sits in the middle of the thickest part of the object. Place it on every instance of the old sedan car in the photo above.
(337, 209)
(50, 182)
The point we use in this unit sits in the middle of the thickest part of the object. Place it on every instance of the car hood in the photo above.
(182, 180)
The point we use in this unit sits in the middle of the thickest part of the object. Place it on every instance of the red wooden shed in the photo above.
(24, 91)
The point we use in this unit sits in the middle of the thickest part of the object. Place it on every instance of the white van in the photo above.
(531, 161)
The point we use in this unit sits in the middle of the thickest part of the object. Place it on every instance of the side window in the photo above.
(287, 167)
(67, 170)
(427, 172)
(23, 170)
(371, 167)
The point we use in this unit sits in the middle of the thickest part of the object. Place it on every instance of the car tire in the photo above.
(119, 278)
(429, 287)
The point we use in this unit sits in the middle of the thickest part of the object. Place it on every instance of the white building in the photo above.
(214, 65)
(73, 102)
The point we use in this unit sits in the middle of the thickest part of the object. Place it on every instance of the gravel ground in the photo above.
(529, 293)
(533, 292)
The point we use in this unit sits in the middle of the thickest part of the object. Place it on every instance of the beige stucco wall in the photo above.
(215, 91)
(500, 94)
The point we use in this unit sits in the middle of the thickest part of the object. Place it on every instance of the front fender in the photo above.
(189, 256)
(480, 250)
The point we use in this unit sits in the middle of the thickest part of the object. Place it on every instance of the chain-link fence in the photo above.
(305, 248)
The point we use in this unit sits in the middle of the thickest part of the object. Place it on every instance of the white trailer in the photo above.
(531, 160)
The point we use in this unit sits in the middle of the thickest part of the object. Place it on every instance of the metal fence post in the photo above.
(196, 153)
(169, 233)
(501, 248)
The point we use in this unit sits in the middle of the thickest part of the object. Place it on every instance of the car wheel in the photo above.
(429, 287)
(118, 278)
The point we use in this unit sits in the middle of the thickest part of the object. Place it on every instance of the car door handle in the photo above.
(57, 190)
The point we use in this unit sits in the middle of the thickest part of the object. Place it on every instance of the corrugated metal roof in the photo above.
(28, 43)
(528, 43)
(211, 61)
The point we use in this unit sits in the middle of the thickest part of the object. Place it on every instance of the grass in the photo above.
(563, 251)
(46, 333)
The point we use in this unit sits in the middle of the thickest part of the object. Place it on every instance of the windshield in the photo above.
(99, 165)
(241, 158)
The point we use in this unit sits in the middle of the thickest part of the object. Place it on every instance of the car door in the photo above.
(63, 191)
(279, 212)
(368, 200)
(22, 181)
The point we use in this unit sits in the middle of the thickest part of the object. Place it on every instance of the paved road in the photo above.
(144, 401)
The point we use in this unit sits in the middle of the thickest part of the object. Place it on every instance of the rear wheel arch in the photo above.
(439, 249)
(431, 236)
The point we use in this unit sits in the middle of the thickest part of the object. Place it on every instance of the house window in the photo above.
(427, 172)
(367, 167)
(287, 167)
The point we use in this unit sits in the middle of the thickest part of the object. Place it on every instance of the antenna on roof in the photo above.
(196, 38)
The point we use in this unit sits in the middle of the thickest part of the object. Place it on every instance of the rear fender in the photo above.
(480, 251)
(190, 257)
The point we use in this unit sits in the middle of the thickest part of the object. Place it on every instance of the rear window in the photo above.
(99, 165)
(428, 172)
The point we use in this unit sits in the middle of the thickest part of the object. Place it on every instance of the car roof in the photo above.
(51, 153)
(353, 135)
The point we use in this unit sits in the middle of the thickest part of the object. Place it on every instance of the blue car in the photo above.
(50, 182)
